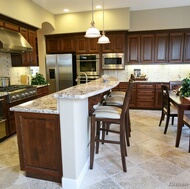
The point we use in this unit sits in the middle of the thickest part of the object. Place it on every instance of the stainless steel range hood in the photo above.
(13, 42)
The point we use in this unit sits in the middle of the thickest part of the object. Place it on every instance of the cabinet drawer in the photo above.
(158, 86)
(145, 98)
(145, 104)
(145, 86)
(144, 92)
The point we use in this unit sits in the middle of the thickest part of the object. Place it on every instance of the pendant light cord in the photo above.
(103, 18)
(92, 15)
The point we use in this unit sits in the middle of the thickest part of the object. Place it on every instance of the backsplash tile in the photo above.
(160, 73)
(6, 69)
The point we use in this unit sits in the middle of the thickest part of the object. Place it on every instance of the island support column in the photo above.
(75, 139)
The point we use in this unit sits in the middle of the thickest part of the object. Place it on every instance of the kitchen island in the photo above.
(54, 130)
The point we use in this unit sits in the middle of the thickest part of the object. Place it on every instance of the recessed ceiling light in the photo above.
(98, 7)
(66, 10)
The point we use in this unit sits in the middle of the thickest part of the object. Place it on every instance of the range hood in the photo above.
(13, 42)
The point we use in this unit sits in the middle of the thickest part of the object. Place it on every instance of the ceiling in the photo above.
(57, 6)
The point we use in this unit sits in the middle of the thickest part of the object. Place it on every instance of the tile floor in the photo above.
(153, 161)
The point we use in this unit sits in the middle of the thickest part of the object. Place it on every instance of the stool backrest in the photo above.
(165, 98)
(127, 99)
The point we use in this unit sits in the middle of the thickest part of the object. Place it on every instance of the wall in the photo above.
(80, 22)
(168, 18)
(26, 11)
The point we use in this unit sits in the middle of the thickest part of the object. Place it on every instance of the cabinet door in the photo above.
(32, 39)
(133, 48)
(147, 48)
(161, 47)
(117, 43)
(176, 47)
(68, 44)
(81, 45)
(53, 45)
(11, 26)
(93, 46)
(187, 48)
(1, 23)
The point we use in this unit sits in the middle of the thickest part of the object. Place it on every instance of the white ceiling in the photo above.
(57, 6)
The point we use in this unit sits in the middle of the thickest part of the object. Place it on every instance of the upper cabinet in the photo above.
(86, 45)
(140, 48)
(27, 58)
(187, 47)
(147, 48)
(161, 47)
(68, 44)
(133, 48)
(53, 45)
(117, 43)
(176, 47)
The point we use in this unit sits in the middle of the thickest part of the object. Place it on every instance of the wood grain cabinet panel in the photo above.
(161, 47)
(53, 45)
(1, 23)
(133, 49)
(176, 47)
(68, 44)
(117, 43)
(39, 145)
(187, 47)
(147, 48)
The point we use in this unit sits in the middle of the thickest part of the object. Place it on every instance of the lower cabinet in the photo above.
(145, 95)
(42, 91)
(39, 145)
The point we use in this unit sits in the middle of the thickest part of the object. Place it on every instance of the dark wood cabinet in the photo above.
(133, 49)
(117, 43)
(1, 23)
(27, 58)
(39, 145)
(187, 47)
(176, 47)
(53, 45)
(147, 48)
(42, 91)
(68, 44)
(86, 45)
(161, 47)
(145, 95)
(11, 26)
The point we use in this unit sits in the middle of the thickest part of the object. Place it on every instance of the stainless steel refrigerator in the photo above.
(60, 71)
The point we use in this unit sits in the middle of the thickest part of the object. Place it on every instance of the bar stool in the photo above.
(110, 115)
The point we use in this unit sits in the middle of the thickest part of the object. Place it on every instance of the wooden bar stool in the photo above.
(110, 115)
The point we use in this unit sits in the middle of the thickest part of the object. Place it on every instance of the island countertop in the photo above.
(48, 104)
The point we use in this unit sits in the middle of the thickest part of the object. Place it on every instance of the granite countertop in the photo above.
(88, 89)
(48, 104)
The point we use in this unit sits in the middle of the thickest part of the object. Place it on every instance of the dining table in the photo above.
(183, 105)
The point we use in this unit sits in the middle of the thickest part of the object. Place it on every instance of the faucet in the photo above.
(84, 75)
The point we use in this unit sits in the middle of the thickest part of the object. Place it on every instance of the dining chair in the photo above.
(186, 121)
(168, 109)
(110, 115)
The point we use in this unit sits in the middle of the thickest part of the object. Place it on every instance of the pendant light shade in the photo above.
(92, 32)
(103, 39)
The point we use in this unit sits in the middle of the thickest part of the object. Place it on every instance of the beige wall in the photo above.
(170, 18)
(26, 11)
(80, 22)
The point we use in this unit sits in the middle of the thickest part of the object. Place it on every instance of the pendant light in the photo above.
(92, 32)
(103, 39)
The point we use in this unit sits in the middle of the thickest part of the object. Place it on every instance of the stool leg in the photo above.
(123, 149)
(97, 138)
(92, 141)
